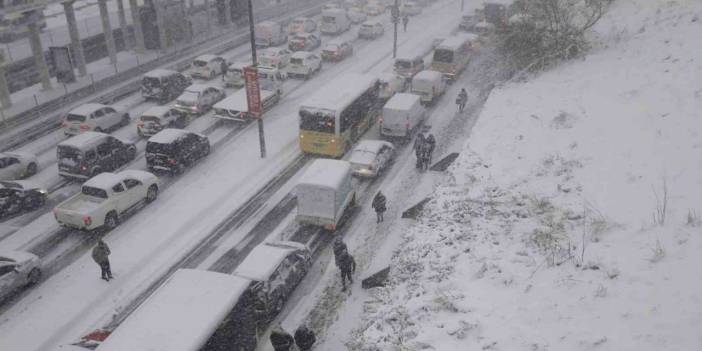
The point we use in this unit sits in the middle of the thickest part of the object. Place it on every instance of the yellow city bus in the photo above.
(334, 117)
(452, 55)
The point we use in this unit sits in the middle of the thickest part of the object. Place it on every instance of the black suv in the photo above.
(163, 85)
(172, 150)
(91, 153)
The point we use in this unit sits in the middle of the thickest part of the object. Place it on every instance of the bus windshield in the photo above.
(316, 122)
(443, 55)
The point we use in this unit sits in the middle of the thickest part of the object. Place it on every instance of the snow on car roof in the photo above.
(370, 22)
(427, 75)
(206, 57)
(330, 174)
(340, 92)
(168, 135)
(300, 54)
(402, 101)
(19, 184)
(197, 88)
(159, 73)
(156, 111)
(365, 151)
(262, 261)
(103, 180)
(86, 109)
(455, 42)
(181, 315)
(83, 139)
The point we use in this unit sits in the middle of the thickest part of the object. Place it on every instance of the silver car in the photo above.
(371, 157)
(18, 269)
(17, 165)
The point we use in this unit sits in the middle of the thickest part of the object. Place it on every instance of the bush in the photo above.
(545, 32)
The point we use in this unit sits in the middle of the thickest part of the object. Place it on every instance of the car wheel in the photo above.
(212, 74)
(98, 129)
(34, 276)
(131, 153)
(151, 194)
(111, 220)
(277, 306)
(207, 150)
(31, 169)
(125, 120)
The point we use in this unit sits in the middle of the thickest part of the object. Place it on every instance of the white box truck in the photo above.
(334, 21)
(428, 85)
(402, 114)
(269, 33)
(324, 192)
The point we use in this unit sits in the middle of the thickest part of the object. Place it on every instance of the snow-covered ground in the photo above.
(569, 222)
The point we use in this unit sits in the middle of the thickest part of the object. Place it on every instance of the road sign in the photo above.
(253, 91)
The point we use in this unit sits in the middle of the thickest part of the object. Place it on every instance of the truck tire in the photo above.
(111, 220)
(151, 194)
(34, 276)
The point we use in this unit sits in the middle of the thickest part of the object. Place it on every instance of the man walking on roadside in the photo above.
(347, 266)
(100, 255)
(379, 206)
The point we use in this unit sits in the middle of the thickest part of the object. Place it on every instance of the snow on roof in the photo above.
(181, 315)
(197, 88)
(323, 173)
(83, 139)
(159, 73)
(168, 135)
(260, 263)
(455, 41)
(206, 57)
(156, 111)
(340, 92)
(86, 109)
(103, 180)
(402, 101)
(427, 75)
(300, 54)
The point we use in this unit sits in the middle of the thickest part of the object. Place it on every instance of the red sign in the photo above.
(253, 92)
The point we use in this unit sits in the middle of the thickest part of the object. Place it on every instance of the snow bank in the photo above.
(550, 234)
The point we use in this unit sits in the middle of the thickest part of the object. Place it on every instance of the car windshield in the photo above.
(443, 55)
(367, 26)
(150, 82)
(328, 19)
(296, 61)
(331, 47)
(157, 148)
(95, 192)
(75, 118)
(199, 63)
(68, 152)
(316, 122)
(189, 95)
(147, 118)
(298, 22)
(403, 64)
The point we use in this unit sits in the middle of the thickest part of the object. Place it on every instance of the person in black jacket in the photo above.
(304, 338)
(339, 249)
(100, 255)
(347, 266)
(379, 206)
(280, 339)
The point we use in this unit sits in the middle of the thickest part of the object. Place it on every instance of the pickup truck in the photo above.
(106, 197)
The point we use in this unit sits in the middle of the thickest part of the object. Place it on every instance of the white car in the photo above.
(18, 269)
(104, 198)
(303, 64)
(157, 118)
(356, 15)
(370, 157)
(304, 42)
(410, 8)
(17, 165)
(301, 25)
(95, 117)
(198, 98)
(275, 57)
(370, 30)
(207, 66)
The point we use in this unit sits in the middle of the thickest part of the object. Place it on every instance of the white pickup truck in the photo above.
(105, 197)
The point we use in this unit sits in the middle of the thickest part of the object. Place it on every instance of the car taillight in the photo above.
(87, 220)
(83, 168)
(172, 161)
(84, 126)
(380, 120)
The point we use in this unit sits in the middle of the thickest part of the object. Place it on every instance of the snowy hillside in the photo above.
(572, 220)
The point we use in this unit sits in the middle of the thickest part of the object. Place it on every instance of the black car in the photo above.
(163, 85)
(17, 196)
(172, 150)
(91, 153)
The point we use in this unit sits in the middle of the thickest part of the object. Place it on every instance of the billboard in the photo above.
(253, 92)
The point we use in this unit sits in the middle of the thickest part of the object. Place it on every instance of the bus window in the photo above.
(443, 55)
(316, 122)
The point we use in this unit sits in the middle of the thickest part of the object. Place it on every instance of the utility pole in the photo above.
(462, 5)
(395, 12)
(254, 61)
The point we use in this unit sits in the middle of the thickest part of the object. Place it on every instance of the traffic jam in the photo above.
(220, 236)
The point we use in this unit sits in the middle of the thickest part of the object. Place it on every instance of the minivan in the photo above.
(163, 85)
(91, 153)
(402, 114)
(408, 66)
(172, 150)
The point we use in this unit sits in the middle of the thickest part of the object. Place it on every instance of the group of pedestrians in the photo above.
(424, 147)
(282, 341)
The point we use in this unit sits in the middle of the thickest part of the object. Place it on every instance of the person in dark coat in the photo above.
(379, 206)
(347, 266)
(418, 145)
(280, 339)
(462, 99)
(224, 69)
(100, 255)
(304, 338)
(339, 249)
(428, 151)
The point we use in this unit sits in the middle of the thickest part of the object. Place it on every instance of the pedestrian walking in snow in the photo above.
(418, 145)
(304, 338)
(379, 206)
(462, 99)
(280, 339)
(339, 249)
(430, 144)
(347, 266)
(224, 69)
(405, 20)
(100, 255)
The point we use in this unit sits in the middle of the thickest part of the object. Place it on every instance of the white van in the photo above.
(334, 21)
(402, 114)
(269, 33)
(428, 85)
(324, 192)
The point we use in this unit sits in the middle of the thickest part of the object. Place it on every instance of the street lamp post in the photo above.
(254, 61)
(395, 13)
